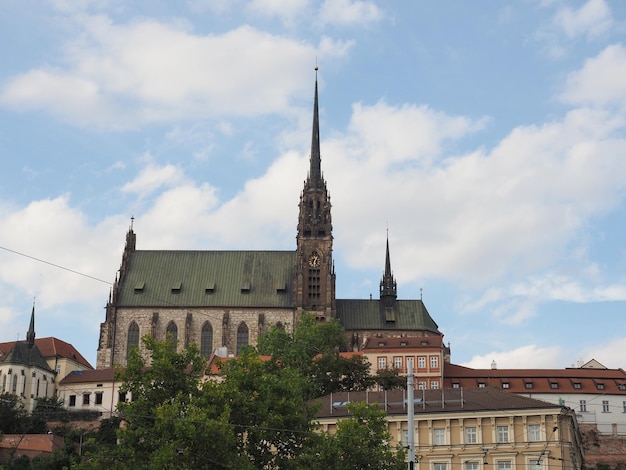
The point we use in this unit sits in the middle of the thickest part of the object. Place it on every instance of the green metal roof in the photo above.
(208, 279)
(366, 315)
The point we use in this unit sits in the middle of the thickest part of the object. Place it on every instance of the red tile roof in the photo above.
(51, 347)
(94, 375)
(568, 380)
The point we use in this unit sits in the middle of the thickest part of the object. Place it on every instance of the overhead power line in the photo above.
(55, 265)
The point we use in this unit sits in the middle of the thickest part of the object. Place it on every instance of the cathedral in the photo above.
(223, 300)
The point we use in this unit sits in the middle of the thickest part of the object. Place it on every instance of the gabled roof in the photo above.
(23, 354)
(355, 314)
(433, 401)
(51, 347)
(568, 380)
(208, 279)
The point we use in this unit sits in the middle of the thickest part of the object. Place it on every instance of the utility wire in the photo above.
(55, 265)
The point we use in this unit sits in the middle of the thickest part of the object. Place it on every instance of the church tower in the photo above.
(315, 272)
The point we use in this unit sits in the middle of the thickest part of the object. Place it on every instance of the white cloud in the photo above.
(600, 82)
(127, 75)
(153, 177)
(479, 216)
(346, 12)
(524, 357)
(611, 353)
(50, 234)
(591, 19)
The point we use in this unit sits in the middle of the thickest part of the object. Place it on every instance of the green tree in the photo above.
(166, 425)
(361, 442)
(389, 379)
(13, 416)
(268, 409)
(313, 349)
(14, 419)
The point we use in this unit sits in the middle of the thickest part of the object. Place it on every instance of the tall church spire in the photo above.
(314, 286)
(315, 172)
(30, 335)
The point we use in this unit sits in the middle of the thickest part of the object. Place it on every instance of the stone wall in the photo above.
(602, 450)
(189, 321)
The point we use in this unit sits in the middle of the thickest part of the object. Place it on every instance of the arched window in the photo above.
(171, 333)
(133, 337)
(206, 340)
(14, 383)
(242, 337)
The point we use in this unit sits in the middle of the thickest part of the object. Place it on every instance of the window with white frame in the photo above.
(434, 384)
(504, 465)
(434, 362)
(470, 435)
(534, 432)
(502, 433)
(382, 362)
(440, 466)
(421, 362)
(536, 464)
(439, 436)
(421, 385)
(605, 406)
(409, 362)
(583, 405)
(397, 362)
(471, 465)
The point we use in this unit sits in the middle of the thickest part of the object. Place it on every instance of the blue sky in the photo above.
(488, 137)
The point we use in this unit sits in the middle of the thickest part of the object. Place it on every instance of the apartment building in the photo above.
(472, 429)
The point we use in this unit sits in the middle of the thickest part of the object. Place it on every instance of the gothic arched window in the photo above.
(133, 337)
(242, 337)
(171, 333)
(206, 340)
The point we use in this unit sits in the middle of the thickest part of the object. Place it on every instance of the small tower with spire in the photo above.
(315, 279)
(388, 290)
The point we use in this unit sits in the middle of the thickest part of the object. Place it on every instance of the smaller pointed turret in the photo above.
(30, 335)
(388, 286)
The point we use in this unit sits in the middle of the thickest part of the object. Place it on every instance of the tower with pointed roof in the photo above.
(388, 291)
(24, 371)
(314, 287)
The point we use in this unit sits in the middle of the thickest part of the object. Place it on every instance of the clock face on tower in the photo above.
(314, 261)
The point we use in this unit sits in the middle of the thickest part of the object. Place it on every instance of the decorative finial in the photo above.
(132, 220)
(421, 293)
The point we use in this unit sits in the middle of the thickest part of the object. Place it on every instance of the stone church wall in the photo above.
(189, 322)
